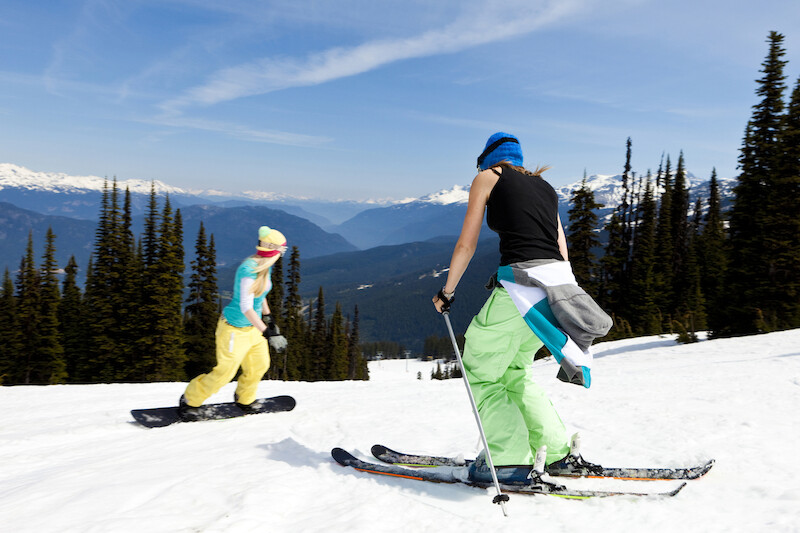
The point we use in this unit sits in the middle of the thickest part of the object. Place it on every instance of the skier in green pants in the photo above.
(516, 414)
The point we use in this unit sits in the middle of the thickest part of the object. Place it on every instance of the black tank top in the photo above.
(522, 209)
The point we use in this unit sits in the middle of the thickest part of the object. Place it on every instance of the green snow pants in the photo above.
(516, 414)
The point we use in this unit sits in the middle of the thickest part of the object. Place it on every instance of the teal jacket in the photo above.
(233, 311)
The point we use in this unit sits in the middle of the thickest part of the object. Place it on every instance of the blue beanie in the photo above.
(501, 147)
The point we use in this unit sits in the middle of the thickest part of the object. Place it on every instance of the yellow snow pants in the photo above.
(236, 347)
(516, 414)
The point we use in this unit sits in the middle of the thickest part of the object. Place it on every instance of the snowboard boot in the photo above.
(480, 472)
(186, 412)
(247, 408)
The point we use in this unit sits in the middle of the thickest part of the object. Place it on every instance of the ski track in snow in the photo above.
(74, 461)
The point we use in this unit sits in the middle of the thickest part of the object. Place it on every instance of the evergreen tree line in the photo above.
(132, 324)
(383, 350)
(666, 267)
(319, 348)
(437, 347)
(451, 370)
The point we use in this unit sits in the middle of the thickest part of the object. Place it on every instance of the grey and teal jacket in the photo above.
(559, 312)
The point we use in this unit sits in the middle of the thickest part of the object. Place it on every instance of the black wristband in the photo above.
(445, 300)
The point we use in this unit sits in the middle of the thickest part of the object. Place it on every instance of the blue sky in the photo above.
(389, 99)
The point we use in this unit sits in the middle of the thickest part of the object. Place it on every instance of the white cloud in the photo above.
(240, 132)
(478, 24)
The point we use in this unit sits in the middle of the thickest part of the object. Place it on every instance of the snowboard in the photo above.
(164, 416)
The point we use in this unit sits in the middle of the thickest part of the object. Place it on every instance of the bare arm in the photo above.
(246, 305)
(255, 320)
(470, 231)
(562, 240)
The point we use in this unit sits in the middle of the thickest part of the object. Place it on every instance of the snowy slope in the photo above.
(72, 460)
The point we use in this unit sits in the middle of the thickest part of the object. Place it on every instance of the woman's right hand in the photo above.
(441, 302)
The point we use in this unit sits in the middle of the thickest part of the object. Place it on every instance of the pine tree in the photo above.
(72, 320)
(319, 342)
(85, 365)
(712, 257)
(150, 237)
(752, 280)
(201, 314)
(104, 356)
(276, 294)
(10, 337)
(615, 283)
(275, 301)
(357, 362)
(28, 300)
(695, 303)
(680, 235)
(783, 224)
(582, 237)
(165, 291)
(644, 312)
(610, 292)
(663, 271)
(148, 253)
(339, 361)
(626, 214)
(127, 293)
(49, 367)
(296, 360)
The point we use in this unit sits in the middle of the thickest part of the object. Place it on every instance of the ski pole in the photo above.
(500, 498)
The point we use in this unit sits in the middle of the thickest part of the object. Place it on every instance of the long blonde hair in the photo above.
(262, 272)
(263, 264)
(535, 172)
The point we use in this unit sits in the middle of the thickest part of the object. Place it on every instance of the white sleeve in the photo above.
(245, 301)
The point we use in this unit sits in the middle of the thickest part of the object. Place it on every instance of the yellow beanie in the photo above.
(267, 234)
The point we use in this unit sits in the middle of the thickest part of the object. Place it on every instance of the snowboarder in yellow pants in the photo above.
(243, 331)
(245, 347)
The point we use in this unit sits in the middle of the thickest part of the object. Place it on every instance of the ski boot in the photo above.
(481, 472)
(574, 465)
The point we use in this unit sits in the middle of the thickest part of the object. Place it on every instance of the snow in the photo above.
(73, 460)
(20, 177)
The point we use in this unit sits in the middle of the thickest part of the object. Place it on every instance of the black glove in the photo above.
(445, 300)
(272, 328)
(273, 334)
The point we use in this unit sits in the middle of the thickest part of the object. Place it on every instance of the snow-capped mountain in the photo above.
(17, 177)
(441, 213)
(54, 193)
(607, 190)
(365, 224)
(606, 187)
(459, 194)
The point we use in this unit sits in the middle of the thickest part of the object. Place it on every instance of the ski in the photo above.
(393, 457)
(165, 416)
(458, 475)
